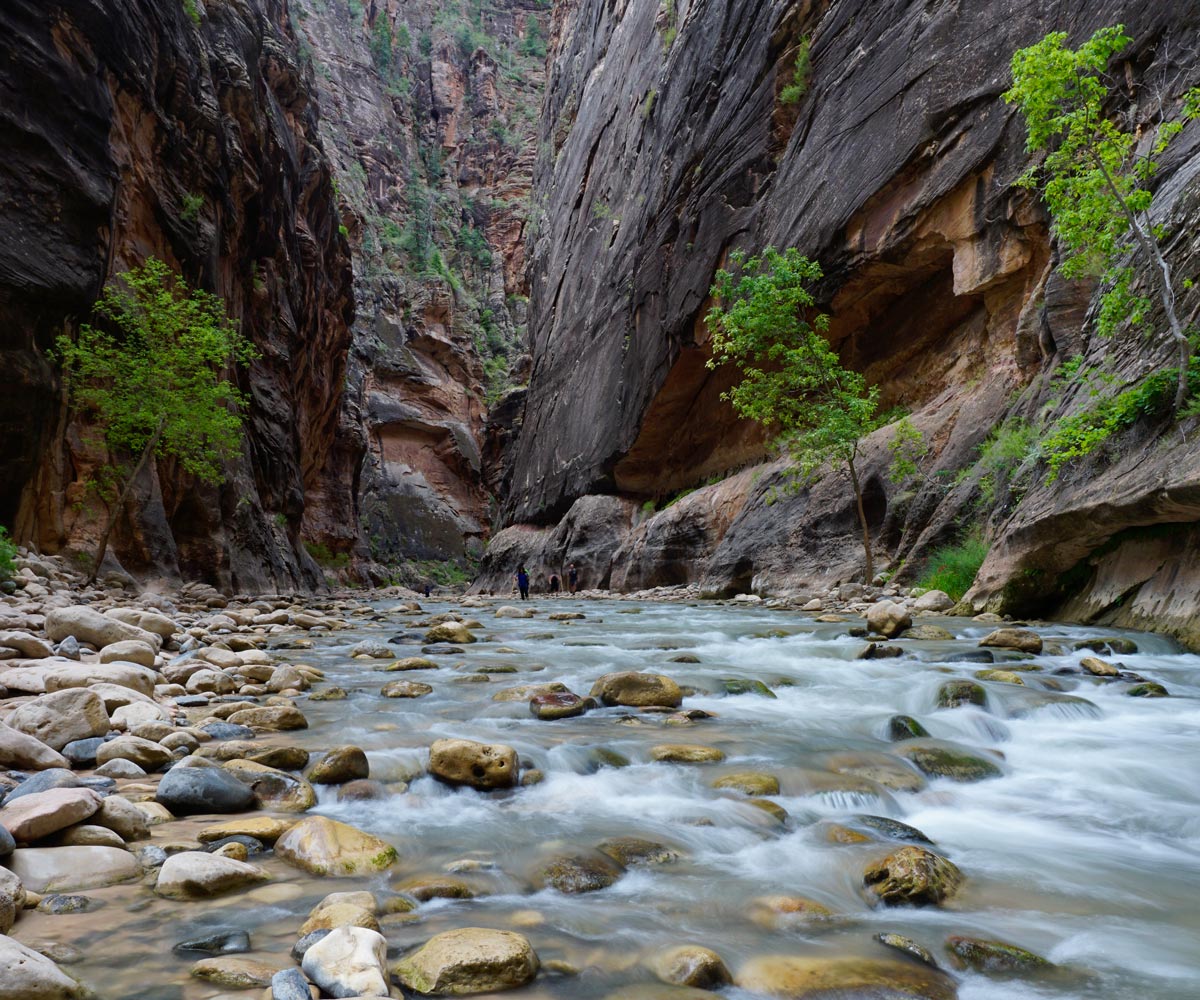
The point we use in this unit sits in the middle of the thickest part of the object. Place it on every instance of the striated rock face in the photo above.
(131, 129)
(429, 115)
(895, 170)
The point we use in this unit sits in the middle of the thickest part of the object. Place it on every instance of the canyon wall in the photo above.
(667, 141)
(133, 128)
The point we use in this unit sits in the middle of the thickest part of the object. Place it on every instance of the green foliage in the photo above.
(793, 382)
(425, 44)
(1083, 433)
(150, 378)
(326, 558)
(189, 207)
(1094, 180)
(668, 19)
(648, 104)
(403, 40)
(8, 555)
(1007, 449)
(192, 11)
(952, 568)
(801, 68)
(908, 447)
(534, 42)
(381, 46)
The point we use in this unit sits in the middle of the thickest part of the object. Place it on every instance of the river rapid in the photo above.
(1086, 850)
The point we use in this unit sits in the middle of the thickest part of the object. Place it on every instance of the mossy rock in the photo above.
(745, 685)
(749, 782)
(993, 956)
(634, 851)
(999, 677)
(912, 876)
(578, 873)
(909, 947)
(947, 762)
(957, 693)
(1148, 689)
(905, 727)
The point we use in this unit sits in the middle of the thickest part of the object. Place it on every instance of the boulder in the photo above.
(635, 851)
(949, 762)
(26, 753)
(32, 817)
(147, 754)
(372, 650)
(274, 788)
(339, 765)
(454, 632)
(234, 973)
(27, 975)
(934, 600)
(270, 718)
(118, 814)
(200, 875)
(324, 846)
(511, 611)
(888, 619)
(128, 651)
(29, 646)
(126, 675)
(120, 768)
(412, 663)
(691, 965)
(349, 962)
(686, 753)
(480, 765)
(405, 689)
(637, 690)
(1021, 639)
(811, 977)
(467, 961)
(62, 717)
(73, 869)
(980, 955)
(89, 625)
(959, 692)
(912, 876)
(750, 783)
(268, 829)
(87, 835)
(1098, 667)
(578, 873)
(186, 791)
(286, 676)
(12, 899)
(209, 680)
(549, 706)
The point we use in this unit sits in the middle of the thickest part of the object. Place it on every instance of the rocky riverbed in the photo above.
(856, 795)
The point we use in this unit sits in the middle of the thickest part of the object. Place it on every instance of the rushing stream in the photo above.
(1086, 850)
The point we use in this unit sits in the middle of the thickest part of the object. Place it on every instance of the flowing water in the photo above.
(1086, 850)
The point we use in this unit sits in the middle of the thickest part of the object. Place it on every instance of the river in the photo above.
(1085, 850)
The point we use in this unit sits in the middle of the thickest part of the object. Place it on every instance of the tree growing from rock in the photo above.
(149, 379)
(793, 383)
(1095, 177)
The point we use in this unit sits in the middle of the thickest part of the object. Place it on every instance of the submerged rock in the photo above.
(912, 876)
(634, 851)
(948, 762)
(686, 753)
(691, 965)
(467, 961)
(981, 955)
(904, 727)
(406, 689)
(749, 783)
(956, 693)
(559, 705)
(1021, 639)
(810, 978)
(1148, 689)
(909, 947)
(577, 873)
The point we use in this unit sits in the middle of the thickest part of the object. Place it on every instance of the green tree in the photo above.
(534, 42)
(793, 382)
(8, 555)
(381, 45)
(150, 378)
(1095, 175)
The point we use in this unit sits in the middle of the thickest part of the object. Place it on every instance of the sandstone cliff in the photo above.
(665, 144)
(188, 131)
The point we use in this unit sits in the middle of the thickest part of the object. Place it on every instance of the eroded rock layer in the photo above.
(666, 143)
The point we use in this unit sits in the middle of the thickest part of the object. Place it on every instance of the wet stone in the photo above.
(892, 828)
(59, 904)
(219, 943)
(579, 873)
(635, 852)
(981, 955)
(909, 947)
(905, 727)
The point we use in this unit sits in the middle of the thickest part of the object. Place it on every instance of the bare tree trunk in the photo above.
(862, 518)
(115, 511)
(1160, 271)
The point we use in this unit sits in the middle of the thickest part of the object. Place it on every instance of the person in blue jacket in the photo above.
(523, 582)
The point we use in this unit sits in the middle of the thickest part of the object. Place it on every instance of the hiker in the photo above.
(554, 583)
(572, 578)
(427, 591)
(523, 582)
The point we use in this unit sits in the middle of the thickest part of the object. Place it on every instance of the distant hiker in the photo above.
(554, 585)
(572, 578)
(427, 590)
(523, 582)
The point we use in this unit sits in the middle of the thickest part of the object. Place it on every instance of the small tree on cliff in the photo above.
(1095, 175)
(793, 382)
(150, 379)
